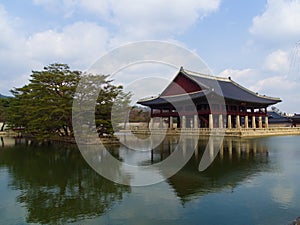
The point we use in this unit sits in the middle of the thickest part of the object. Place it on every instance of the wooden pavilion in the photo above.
(216, 103)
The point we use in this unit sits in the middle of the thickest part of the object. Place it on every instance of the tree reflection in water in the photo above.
(58, 187)
(56, 184)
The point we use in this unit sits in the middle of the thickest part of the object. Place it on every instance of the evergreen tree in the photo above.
(44, 106)
(4, 104)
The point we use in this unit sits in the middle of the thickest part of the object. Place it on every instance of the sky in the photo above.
(253, 42)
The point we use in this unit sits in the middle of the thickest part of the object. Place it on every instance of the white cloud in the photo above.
(135, 20)
(80, 43)
(12, 60)
(236, 73)
(274, 85)
(278, 86)
(138, 20)
(277, 61)
(67, 7)
(245, 77)
(100, 8)
(280, 22)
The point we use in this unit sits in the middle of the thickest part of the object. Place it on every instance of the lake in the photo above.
(251, 181)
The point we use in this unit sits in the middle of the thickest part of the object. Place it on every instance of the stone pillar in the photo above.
(260, 121)
(171, 122)
(161, 148)
(238, 123)
(171, 147)
(230, 148)
(221, 152)
(253, 122)
(183, 122)
(247, 150)
(220, 121)
(191, 122)
(266, 121)
(196, 121)
(246, 122)
(161, 122)
(211, 149)
(238, 149)
(184, 146)
(210, 121)
(254, 148)
(151, 123)
(229, 122)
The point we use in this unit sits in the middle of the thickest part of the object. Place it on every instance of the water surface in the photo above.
(251, 181)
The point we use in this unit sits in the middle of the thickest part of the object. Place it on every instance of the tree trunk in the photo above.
(66, 130)
(2, 127)
(2, 141)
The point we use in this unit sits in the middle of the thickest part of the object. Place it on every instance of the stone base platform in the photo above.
(241, 132)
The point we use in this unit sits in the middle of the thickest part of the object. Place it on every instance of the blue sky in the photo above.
(254, 42)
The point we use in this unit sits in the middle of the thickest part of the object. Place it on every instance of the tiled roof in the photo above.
(221, 86)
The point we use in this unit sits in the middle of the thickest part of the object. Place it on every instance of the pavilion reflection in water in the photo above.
(47, 176)
(228, 147)
(236, 162)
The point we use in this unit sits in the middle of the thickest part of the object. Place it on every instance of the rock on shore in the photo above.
(296, 221)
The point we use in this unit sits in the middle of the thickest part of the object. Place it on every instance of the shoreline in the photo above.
(218, 132)
(109, 140)
(241, 132)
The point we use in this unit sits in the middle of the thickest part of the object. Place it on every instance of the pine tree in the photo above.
(44, 106)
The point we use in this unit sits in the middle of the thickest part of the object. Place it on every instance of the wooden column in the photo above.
(229, 122)
(210, 121)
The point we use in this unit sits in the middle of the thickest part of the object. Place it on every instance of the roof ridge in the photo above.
(189, 72)
(148, 98)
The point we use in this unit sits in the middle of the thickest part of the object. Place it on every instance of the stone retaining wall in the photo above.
(242, 132)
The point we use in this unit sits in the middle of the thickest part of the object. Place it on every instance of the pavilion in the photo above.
(216, 103)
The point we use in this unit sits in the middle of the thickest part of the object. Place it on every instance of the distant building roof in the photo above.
(275, 117)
